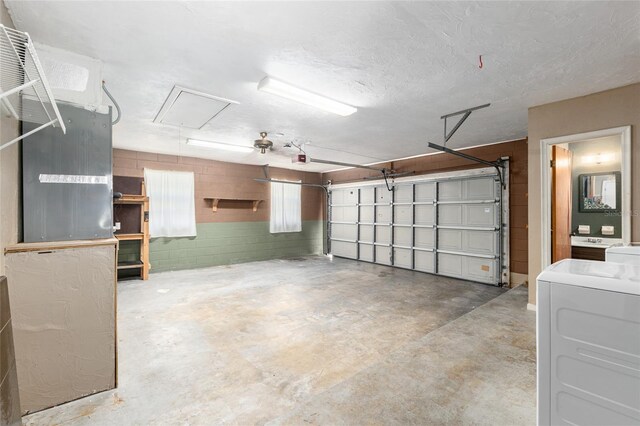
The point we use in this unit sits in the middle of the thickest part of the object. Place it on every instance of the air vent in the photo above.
(190, 108)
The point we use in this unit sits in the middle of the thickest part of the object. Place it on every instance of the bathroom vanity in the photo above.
(591, 248)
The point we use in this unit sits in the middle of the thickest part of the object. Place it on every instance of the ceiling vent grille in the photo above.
(190, 108)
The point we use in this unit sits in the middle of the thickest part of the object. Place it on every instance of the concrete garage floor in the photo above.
(310, 341)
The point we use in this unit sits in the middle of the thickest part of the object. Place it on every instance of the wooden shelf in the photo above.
(131, 265)
(131, 199)
(143, 236)
(129, 237)
(215, 202)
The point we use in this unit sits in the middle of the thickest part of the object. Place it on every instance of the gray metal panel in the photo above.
(68, 211)
(424, 214)
(424, 237)
(343, 231)
(403, 236)
(344, 249)
(404, 194)
(344, 214)
(344, 196)
(383, 234)
(403, 215)
(366, 252)
(425, 191)
(383, 255)
(402, 258)
(367, 195)
(424, 261)
(366, 214)
(467, 267)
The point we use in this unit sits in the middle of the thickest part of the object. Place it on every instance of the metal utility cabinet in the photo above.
(67, 181)
(63, 302)
(589, 343)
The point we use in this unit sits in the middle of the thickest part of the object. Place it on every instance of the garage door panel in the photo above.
(402, 236)
(367, 195)
(425, 191)
(345, 232)
(424, 237)
(483, 270)
(450, 190)
(366, 214)
(403, 215)
(481, 242)
(403, 194)
(383, 195)
(344, 214)
(366, 252)
(467, 267)
(383, 214)
(424, 214)
(450, 214)
(344, 249)
(344, 197)
(463, 240)
(366, 233)
(424, 261)
(450, 239)
(479, 189)
(383, 255)
(383, 234)
(402, 258)
(480, 215)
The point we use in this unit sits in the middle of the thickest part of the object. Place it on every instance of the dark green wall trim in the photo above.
(233, 242)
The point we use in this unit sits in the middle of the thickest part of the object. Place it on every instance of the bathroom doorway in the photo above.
(586, 194)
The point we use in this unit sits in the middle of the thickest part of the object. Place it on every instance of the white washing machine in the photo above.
(588, 332)
(623, 254)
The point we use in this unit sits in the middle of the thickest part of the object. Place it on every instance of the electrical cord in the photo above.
(104, 87)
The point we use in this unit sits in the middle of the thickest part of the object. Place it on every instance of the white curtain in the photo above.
(286, 211)
(172, 210)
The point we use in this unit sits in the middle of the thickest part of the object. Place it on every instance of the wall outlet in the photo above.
(117, 226)
(608, 230)
(584, 229)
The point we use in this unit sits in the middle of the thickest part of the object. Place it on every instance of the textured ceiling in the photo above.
(402, 64)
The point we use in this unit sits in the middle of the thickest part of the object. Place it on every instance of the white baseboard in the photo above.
(531, 307)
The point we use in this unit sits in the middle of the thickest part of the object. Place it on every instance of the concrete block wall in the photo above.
(230, 235)
(234, 242)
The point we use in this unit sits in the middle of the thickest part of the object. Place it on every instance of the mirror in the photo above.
(599, 192)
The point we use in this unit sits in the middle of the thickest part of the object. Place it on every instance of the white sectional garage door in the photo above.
(444, 225)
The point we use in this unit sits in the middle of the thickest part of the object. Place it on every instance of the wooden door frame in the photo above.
(624, 133)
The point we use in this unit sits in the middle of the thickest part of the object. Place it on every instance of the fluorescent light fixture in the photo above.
(219, 145)
(276, 87)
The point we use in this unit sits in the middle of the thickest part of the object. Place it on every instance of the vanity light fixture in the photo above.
(599, 158)
(219, 145)
(285, 90)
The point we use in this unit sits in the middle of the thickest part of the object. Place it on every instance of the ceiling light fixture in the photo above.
(219, 145)
(279, 88)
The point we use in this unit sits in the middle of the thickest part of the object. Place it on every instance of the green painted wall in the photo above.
(231, 242)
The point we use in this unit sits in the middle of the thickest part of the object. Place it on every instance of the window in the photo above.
(171, 203)
(286, 212)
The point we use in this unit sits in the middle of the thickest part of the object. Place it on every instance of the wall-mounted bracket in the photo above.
(465, 114)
